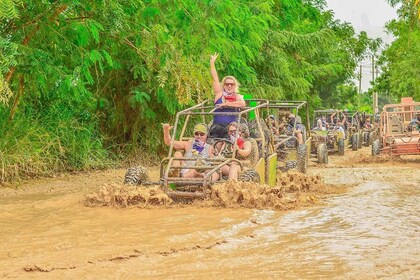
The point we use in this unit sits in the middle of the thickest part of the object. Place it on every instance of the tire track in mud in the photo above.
(124, 257)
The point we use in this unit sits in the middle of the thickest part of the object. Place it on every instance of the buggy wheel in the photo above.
(322, 153)
(290, 164)
(359, 140)
(376, 147)
(135, 175)
(249, 175)
(354, 140)
(366, 139)
(302, 160)
(372, 136)
(340, 147)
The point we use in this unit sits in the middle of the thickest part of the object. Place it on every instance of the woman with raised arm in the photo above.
(226, 99)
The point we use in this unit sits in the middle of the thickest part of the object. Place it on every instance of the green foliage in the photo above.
(9, 9)
(400, 61)
(8, 51)
(97, 77)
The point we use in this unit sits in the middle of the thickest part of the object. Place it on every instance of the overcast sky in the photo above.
(365, 15)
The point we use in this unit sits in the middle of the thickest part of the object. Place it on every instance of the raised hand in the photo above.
(166, 126)
(213, 57)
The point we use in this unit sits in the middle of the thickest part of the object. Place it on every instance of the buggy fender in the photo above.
(260, 169)
(272, 170)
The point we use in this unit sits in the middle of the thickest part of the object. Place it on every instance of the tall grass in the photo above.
(32, 146)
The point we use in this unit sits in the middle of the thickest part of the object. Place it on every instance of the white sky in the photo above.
(365, 15)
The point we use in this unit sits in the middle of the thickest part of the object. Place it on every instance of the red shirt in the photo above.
(240, 142)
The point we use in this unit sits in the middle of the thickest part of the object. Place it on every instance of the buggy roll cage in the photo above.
(205, 111)
(326, 112)
(396, 138)
(293, 107)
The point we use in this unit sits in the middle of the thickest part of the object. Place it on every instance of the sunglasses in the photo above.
(199, 134)
(230, 84)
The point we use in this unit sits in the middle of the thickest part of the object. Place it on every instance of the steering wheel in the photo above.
(223, 147)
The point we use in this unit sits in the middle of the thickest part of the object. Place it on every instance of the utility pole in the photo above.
(360, 79)
(374, 94)
(373, 68)
(360, 86)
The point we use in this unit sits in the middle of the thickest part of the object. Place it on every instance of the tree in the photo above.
(399, 61)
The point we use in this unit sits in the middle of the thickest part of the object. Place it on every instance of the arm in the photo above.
(246, 150)
(217, 88)
(344, 119)
(239, 103)
(332, 117)
(211, 151)
(178, 145)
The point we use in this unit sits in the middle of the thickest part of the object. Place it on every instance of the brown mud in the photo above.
(293, 190)
(355, 218)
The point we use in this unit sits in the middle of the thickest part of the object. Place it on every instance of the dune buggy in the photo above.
(398, 132)
(262, 171)
(369, 128)
(353, 130)
(284, 119)
(329, 139)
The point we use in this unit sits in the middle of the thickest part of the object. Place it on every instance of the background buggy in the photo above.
(396, 137)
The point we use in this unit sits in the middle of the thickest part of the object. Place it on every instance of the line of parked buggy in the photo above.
(284, 139)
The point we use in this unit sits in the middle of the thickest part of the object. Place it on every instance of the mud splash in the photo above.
(388, 159)
(122, 196)
(293, 190)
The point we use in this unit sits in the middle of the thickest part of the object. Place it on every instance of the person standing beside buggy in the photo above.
(196, 147)
(226, 100)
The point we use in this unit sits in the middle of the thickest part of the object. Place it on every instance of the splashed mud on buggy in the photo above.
(293, 190)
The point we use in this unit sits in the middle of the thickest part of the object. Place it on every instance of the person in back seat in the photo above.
(239, 135)
(415, 123)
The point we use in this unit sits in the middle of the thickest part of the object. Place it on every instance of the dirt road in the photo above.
(368, 228)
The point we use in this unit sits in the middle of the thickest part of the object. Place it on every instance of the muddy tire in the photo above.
(340, 145)
(302, 160)
(372, 136)
(290, 164)
(376, 147)
(135, 176)
(366, 139)
(354, 141)
(322, 153)
(249, 175)
(359, 140)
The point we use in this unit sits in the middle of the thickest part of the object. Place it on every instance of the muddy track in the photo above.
(353, 218)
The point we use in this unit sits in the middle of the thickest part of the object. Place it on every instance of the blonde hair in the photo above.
(237, 84)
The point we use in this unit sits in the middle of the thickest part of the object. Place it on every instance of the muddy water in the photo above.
(370, 232)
